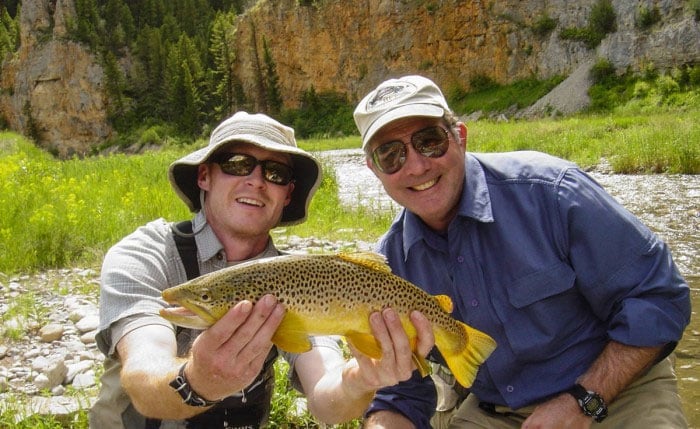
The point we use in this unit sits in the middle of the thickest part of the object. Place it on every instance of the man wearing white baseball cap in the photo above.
(583, 300)
(250, 178)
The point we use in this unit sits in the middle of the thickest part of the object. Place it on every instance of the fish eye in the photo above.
(205, 297)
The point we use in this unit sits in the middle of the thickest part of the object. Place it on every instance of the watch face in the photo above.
(592, 404)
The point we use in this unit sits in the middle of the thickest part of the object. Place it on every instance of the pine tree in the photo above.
(115, 85)
(86, 24)
(184, 82)
(119, 28)
(149, 79)
(222, 35)
(271, 80)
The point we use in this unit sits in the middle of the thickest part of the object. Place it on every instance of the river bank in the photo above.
(49, 363)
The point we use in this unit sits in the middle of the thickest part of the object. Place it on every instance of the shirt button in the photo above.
(475, 302)
(510, 389)
(460, 259)
(220, 256)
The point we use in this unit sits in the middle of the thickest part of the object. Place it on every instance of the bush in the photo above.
(602, 19)
(648, 17)
(544, 25)
(603, 72)
(601, 22)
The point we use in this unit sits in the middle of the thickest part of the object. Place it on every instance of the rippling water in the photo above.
(668, 204)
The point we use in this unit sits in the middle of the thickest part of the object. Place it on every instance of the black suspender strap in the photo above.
(186, 247)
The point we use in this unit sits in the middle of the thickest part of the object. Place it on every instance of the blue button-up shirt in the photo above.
(546, 262)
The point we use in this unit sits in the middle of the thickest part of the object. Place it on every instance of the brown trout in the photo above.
(331, 295)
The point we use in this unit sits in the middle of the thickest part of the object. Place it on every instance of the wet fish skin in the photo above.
(331, 294)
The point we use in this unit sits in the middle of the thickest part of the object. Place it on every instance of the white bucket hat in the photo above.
(264, 132)
(394, 99)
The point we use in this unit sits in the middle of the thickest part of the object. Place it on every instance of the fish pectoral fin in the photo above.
(292, 335)
(365, 343)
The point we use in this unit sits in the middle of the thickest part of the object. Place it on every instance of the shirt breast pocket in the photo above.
(541, 312)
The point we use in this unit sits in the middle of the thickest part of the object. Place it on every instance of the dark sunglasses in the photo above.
(431, 142)
(240, 164)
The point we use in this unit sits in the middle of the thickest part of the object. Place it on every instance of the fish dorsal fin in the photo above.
(373, 260)
(445, 302)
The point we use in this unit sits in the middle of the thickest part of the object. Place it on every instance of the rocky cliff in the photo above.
(55, 86)
(52, 88)
(352, 46)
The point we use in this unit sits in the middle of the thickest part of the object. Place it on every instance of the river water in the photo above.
(668, 204)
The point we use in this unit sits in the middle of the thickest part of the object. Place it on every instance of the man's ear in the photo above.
(204, 177)
(462, 129)
(289, 194)
(371, 165)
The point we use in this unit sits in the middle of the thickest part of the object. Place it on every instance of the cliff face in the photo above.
(346, 46)
(54, 86)
(352, 46)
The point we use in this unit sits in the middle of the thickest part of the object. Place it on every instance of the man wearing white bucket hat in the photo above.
(250, 178)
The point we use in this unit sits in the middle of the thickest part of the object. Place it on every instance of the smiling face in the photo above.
(244, 206)
(428, 187)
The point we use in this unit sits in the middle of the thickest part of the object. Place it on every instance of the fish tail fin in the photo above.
(464, 363)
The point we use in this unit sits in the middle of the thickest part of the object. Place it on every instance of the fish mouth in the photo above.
(186, 314)
(426, 185)
(250, 202)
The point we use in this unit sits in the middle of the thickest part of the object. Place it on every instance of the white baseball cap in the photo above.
(394, 99)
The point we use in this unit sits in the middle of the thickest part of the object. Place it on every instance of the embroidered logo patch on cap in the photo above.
(389, 94)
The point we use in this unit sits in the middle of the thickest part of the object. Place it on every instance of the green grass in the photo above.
(65, 213)
(661, 143)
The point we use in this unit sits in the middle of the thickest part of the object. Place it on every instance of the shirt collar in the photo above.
(474, 203)
(208, 245)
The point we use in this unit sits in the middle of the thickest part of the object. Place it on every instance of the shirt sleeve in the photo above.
(623, 269)
(330, 342)
(134, 273)
(415, 398)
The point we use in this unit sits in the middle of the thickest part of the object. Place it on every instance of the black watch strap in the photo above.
(591, 403)
(189, 396)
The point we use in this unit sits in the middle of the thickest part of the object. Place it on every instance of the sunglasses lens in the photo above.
(277, 173)
(239, 165)
(431, 142)
(389, 157)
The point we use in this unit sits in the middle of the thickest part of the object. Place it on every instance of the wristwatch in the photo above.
(189, 396)
(590, 402)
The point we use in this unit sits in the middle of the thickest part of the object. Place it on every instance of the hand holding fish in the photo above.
(332, 295)
(230, 354)
(397, 362)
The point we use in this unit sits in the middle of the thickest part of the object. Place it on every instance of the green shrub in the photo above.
(544, 25)
(601, 22)
(603, 72)
(648, 17)
(695, 7)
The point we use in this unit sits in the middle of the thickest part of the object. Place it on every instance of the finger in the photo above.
(381, 334)
(253, 336)
(424, 332)
(403, 353)
(220, 332)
